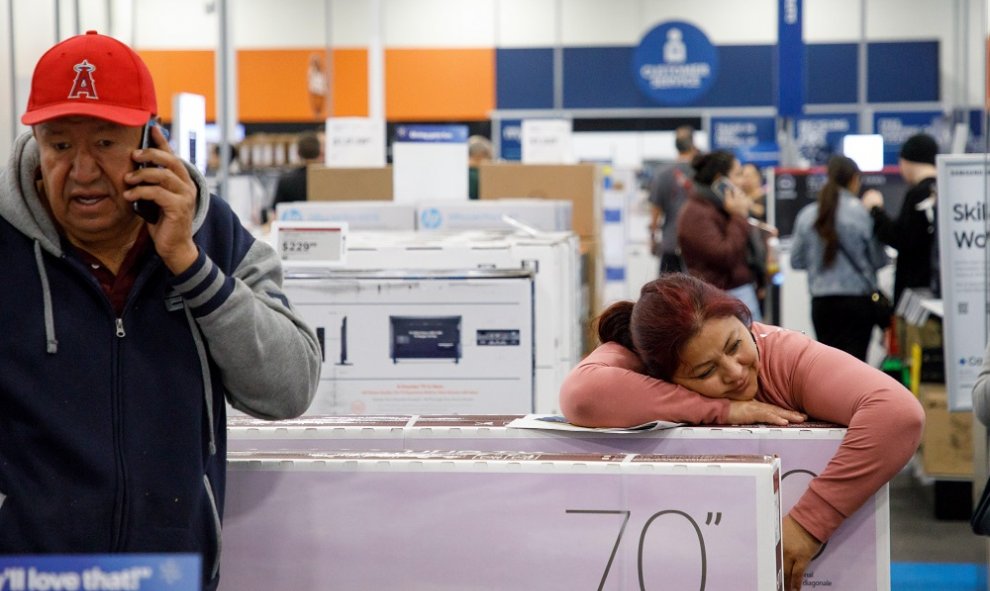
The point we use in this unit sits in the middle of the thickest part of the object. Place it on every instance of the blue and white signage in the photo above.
(675, 63)
(432, 134)
(511, 136)
(897, 127)
(116, 572)
(820, 136)
(751, 139)
(790, 58)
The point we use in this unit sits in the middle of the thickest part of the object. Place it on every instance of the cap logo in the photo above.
(83, 85)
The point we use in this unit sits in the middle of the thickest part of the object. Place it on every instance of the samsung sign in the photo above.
(675, 63)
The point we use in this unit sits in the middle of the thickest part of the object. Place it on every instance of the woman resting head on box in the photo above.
(688, 352)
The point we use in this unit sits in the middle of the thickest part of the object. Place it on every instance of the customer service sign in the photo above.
(675, 63)
(963, 231)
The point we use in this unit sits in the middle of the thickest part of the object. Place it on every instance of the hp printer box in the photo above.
(471, 520)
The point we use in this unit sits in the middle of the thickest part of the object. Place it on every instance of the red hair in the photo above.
(669, 312)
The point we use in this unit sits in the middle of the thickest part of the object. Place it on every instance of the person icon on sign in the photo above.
(674, 50)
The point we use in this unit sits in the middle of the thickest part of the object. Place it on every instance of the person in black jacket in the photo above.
(292, 184)
(913, 233)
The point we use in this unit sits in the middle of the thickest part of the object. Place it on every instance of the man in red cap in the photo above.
(123, 337)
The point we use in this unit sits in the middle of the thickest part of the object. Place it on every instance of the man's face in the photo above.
(83, 163)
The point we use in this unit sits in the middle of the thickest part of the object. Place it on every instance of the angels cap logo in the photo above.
(83, 85)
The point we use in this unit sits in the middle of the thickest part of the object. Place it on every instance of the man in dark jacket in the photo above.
(913, 232)
(123, 338)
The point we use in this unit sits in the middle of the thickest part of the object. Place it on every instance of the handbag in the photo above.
(980, 521)
(883, 308)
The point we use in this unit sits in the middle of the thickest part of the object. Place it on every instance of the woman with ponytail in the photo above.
(833, 240)
(689, 352)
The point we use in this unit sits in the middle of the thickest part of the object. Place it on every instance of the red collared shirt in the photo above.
(117, 287)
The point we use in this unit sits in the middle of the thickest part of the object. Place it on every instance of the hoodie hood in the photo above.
(21, 205)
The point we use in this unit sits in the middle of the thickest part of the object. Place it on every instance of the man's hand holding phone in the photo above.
(160, 184)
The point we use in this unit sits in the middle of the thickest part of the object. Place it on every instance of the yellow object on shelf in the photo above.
(915, 367)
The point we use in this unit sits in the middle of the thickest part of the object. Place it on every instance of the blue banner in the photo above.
(675, 63)
(101, 572)
(433, 134)
(510, 146)
(896, 127)
(790, 82)
(820, 136)
(751, 139)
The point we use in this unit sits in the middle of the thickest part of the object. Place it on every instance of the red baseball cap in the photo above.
(95, 76)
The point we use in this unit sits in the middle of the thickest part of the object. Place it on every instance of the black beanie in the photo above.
(920, 148)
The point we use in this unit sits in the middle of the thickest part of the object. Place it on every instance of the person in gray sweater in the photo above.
(833, 240)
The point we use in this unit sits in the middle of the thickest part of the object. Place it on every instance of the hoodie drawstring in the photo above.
(46, 293)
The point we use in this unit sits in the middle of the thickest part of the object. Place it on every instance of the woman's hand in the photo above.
(747, 412)
(799, 548)
(736, 202)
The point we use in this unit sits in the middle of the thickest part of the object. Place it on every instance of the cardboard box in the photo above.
(856, 557)
(420, 342)
(348, 184)
(546, 215)
(470, 520)
(359, 215)
(580, 184)
(947, 443)
(552, 256)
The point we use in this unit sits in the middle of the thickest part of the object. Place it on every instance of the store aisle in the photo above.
(927, 553)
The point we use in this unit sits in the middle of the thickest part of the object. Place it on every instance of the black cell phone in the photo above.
(149, 210)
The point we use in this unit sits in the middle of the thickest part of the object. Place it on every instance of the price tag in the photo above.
(311, 244)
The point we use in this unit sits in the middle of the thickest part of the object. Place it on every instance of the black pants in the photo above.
(671, 262)
(843, 322)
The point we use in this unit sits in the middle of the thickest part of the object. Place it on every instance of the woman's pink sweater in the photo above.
(609, 389)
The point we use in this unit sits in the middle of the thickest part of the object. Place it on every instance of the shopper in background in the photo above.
(913, 233)
(688, 352)
(716, 240)
(125, 338)
(751, 183)
(480, 152)
(981, 391)
(669, 189)
(291, 184)
(833, 240)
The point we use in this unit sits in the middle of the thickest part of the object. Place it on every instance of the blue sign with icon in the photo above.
(675, 63)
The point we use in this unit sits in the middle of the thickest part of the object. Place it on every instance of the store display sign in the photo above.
(820, 136)
(790, 58)
(100, 572)
(897, 127)
(675, 63)
(962, 239)
(547, 141)
(510, 147)
(430, 162)
(354, 142)
(751, 139)
(310, 243)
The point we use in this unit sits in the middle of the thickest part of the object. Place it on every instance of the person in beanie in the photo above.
(913, 232)
(123, 338)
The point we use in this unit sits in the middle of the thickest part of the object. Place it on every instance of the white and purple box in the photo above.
(472, 520)
(857, 557)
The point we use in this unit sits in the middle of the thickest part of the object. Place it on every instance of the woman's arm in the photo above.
(608, 389)
(884, 422)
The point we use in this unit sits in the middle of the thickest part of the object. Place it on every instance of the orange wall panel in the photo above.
(439, 84)
(349, 83)
(272, 86)
(182, 71)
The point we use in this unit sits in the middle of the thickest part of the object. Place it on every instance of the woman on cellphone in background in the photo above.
(713, 233)
(689, 352)
(833, 240)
